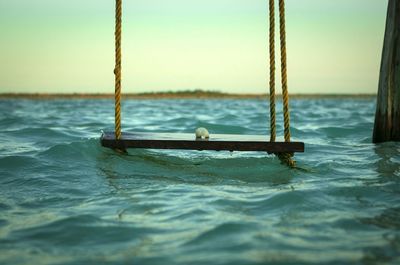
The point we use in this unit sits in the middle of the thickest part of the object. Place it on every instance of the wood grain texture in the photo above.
(387, 117)
(217, 142)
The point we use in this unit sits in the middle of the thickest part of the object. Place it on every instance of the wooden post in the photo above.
(387, 117)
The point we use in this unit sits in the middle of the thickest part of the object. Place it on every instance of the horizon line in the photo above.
(176, 94)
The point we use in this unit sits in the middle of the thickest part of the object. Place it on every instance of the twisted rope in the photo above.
(272, 122)
(285, 94)
(284, 157)
(117, 69)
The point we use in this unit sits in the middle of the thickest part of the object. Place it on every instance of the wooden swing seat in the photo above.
(187, 141)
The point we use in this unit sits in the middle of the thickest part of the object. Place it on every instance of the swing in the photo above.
(218, 142)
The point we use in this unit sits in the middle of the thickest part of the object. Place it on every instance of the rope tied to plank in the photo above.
(285, 158)
(117, 69)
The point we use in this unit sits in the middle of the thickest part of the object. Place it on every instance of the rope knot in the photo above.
(286, 158)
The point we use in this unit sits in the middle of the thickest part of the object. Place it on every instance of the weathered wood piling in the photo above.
(387, 116)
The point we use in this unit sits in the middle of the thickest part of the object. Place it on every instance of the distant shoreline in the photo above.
(174, 95)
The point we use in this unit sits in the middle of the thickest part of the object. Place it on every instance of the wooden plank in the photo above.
(186, 141)
(387, 116)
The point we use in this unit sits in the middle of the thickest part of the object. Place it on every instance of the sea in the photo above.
(65, 199)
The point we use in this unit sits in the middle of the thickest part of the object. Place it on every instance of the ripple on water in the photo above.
(81, 231)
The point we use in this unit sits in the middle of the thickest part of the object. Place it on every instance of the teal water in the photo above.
(66, 200)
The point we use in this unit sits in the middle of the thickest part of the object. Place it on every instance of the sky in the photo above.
(58, 46)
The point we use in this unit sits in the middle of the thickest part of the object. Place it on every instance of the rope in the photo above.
(272, 123)
(285, 158)
(285, 94)
(117, 69)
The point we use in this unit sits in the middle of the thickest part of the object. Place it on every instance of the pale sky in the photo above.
(58, 46)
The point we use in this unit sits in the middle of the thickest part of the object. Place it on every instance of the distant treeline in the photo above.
(198, 93)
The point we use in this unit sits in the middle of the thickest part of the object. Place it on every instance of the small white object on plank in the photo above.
(202, 133)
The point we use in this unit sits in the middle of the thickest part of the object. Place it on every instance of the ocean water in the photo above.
(64, 199)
